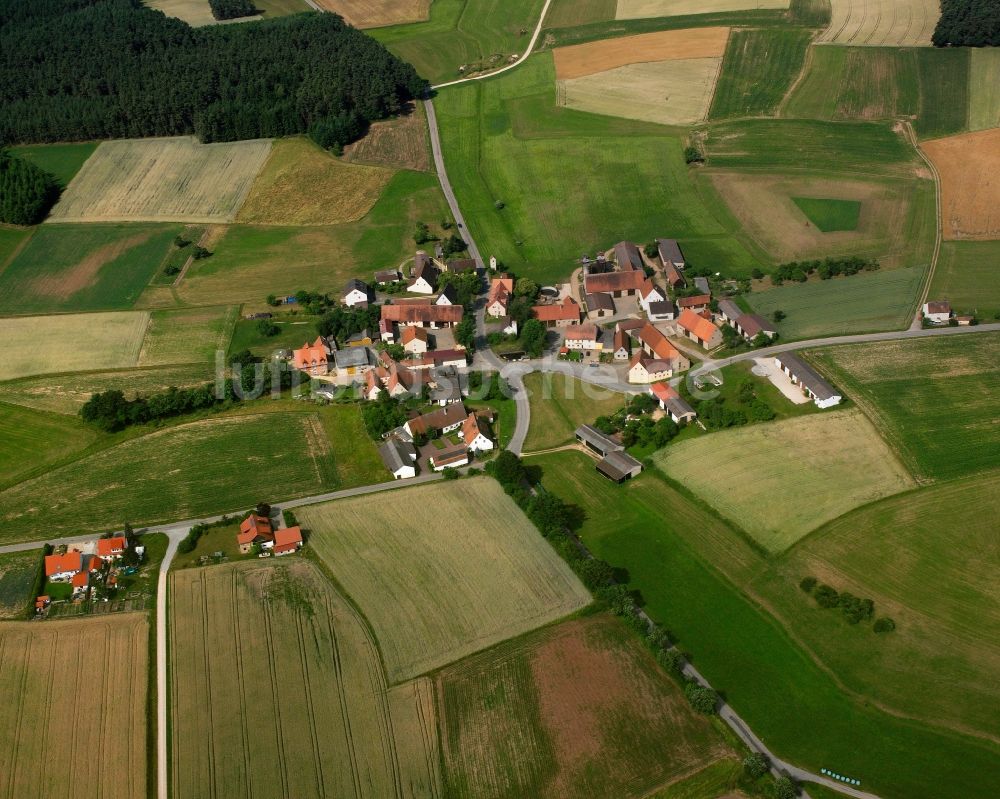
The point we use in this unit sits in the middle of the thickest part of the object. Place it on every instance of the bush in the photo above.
(693, 155)
(702, 699)
(232, 9)
(784, 788)
(450, 474)
(672, 660)
(755, 765)
(826, 597)
(884, 625)
(807, 584)
(267, 328)
(290, 519)
(26, 191)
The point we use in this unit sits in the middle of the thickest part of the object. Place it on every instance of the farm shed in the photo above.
(595, 440)
(619, 466)
(812, 383)
(670, 253)
(399, 458)
(600, 305)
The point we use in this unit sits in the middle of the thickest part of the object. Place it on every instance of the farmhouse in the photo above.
(811, 382)
(356, 292)
(561, 314)
(938, 312)
(414, 340)
(663, 311)
(447, 297)
(399, 457)
(385, 276)
(60, 568)
(672, 402)
(583, 337)
(596, 441)
(313, 358)
(437, 358)
(352, 361)
(445, 419)
(498, 299)
(254, 529)
(449, 458)
(750, 325)
(109, 549)
(422, 314)
(395, 379)
(643, 369)
(461, 266)
(729, 311)
(287, 540)
(446, 386)
(699, 302)
(670, 253)
(600, 305)
(615, 463)
(650, 293)
(628, 257)
(697, 328)
(386, 331)
(473, 435)
(617, 284)
(622, 348)
(674, 277)
(425, 275)
(655, 345)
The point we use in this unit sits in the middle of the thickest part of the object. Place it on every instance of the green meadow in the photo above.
(968, 276)
(33, 441)
(830, 215)
(18, 571)
(61, 160)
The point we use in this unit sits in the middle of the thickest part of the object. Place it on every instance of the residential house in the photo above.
(937, 312)
(446, 386)
(729, 310)
(396, 380)
(697, 303)
(414, 340)
(560, 314)
(600, 305)
(453, 457)
(109, 549)
(631, 326)
(697, 328)
(313, 358)
(622, 349)
(287, 540)
(674, 277)
(352, 361)
(656, 346)
(438, 358)
(422, 314)
(62, 568)
(701, 283)
(628, 257)
(254, 529)
(750, 325)
(663, 311)
(473, 436)
(965, 321)
(386, 331)
(498, 299)
(812, 383)
(356, 292)
(399, 457)
(424, 276)
(672, 402)
(584, 337)
(649, 293)
(508, 325)
(445, 419)
(447, 297)
(385, 276)
(644, 369)
(670, 253)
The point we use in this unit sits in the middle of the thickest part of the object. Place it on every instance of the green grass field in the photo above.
(757, 71)
(830, 215)
(968, 276)
(934, 400)
(84, 267)
(294, 330)
(32, 441)
(210, 466)
(463, 33)
(18, 571)
(868, 301)
(505, 134)
(560, 404)
(61, 160)
(944, 91)
(984, 88)
(697, 576)
(187, 335)
(773, 480)
(11, 240)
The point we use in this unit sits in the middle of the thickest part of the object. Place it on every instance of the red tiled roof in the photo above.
(663, 391)
(691, 302)
(694, 323)
(106, 547)
(614, 281)
(412, 312)
(310, 354)
(567, 309)
(253, 526)
(439, 419)
(411, 333)
(80, 580)
(287, 538)
(657, 342)
(584, 332)
(70, 562)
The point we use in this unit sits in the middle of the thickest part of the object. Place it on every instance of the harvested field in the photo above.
(882, 22)
(575, 710)
(773, 480)
(195, 13)
(399, 143)
(580, 60)
(442, 570)
(190, 335)
(302, 185)
(560, 404)
(379, 13)
(984, 88)
(216, 465)
(667, 92)
(18, 571)
(162, 180)
(84, 267)
(66, 393)
(272, 653)
(76, 697)
(31, 441)
(37, 345)
(969, 166)
(644, 9)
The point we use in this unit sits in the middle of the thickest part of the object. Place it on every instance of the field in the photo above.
(18, 571)
(302, 185)
(191, 335)
(11, 241)
(195, 13)
(804, 711)
(61, 160)
(271, 655)
(773, 480)
(580, 60)
(69, 682)
(31, 441)
(569, 13)
(211, 466)
(641, 9)
(934, 400)
(984, 88)
(253, 261)
(829, 215)
(758, 69)
(65, 393)
(575, 710)
(442, 570)
(84, 267)
(47, 344)
(560, 404)
(895, 217)
(378, 13)
(470, 34)
(882, 22)
(399, 143)
(968, 275)
(162, 180)
(503, 134)
(866, 302)
(969, 166)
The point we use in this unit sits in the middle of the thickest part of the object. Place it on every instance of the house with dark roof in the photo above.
(461, 266)
(674, 277)
(385, 276)
(699, 302)
(670, 253)
(662, 311)
(424, 275)
(751, 325)
(356, 292)
(729, 310)
(628, 256)
(450, 417)
(812, 383)
(701, 283)
(352, 361)
(596, 441)
(672, 402)
(600, 305)
(937, 312)
(399, 457)
(448, 296)
(619, 466)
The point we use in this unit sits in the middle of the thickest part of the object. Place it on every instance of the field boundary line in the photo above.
(24, 243)
(779, 112)
(912, 137)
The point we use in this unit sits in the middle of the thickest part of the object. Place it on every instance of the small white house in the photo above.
(400, 458)
(356, 293)
(938, 312)
(583, 337)
(650, 293)
(473, 435)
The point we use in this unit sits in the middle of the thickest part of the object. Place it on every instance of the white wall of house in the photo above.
(420, 286)
(354, 297)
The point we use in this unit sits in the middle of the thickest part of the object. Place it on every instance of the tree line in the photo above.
(27, 192)
(969, 23)
(232, 9)
(98, 69)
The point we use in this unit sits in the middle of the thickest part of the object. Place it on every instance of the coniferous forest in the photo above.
(968, 23)
(97, 69)
(26, 191)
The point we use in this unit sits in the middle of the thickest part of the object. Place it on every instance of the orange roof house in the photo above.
(561, 314)
(254, 529)
(696, 302)
(80, 580)
(698, 328)
(422, 314)
(287, 540)
(313, 358)
(67, 564)
(108, 548)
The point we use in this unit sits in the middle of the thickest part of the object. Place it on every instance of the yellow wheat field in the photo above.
(882, 22)
(73, 719)
(642, 9)
(172, 179)
(378, 13)
(969, 166)
(442, 570)
(579, 60)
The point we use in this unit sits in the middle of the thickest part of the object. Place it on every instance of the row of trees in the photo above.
(27, 192)
(969, 23)
(799, 271)
(97, 69)
(855, 609)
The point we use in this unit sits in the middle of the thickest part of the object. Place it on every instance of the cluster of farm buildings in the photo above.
(86, 566)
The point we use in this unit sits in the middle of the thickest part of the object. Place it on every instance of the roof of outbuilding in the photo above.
(806, 375)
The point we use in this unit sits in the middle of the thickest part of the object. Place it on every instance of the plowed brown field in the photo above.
(969, 166)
